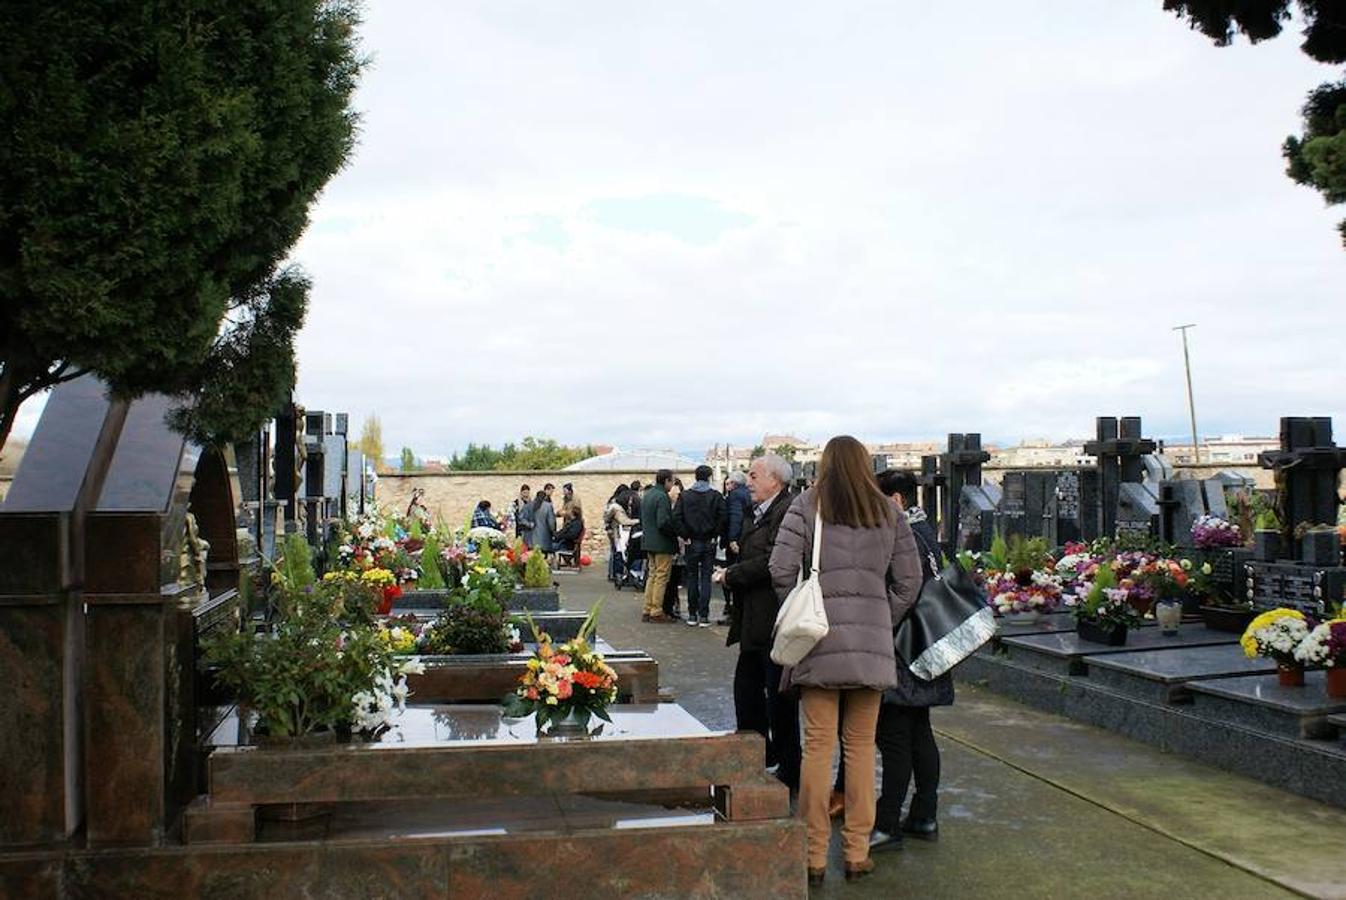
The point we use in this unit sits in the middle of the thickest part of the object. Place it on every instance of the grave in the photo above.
(1066, 654)
(1127, 503)
(968, 504)
(1165, 676)
(1056, 504)
(123, 548)
(1306, 466)
(1259, 701)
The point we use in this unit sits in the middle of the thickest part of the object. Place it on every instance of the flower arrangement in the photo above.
(560, 681)
(1325, 645)
(470, 626)
(1107, 605)
(319, 667)
(1211, 532)
(1009, 595)
(1276, 634)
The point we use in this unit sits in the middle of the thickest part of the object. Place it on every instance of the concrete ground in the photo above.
(1035, 805)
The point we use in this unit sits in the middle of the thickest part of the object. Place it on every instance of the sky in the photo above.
(680, 224)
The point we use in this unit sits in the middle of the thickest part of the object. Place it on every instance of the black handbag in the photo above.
(949, 622)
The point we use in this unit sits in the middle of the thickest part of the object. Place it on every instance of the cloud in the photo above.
(684, 225)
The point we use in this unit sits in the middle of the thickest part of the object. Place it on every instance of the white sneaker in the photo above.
(705, 623)
(691, 623)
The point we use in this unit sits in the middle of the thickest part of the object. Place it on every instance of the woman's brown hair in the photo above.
(847, 491)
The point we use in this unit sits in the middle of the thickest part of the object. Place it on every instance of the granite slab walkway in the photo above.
(1037, 806)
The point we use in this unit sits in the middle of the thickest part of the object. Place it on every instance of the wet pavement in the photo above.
(1035, 805)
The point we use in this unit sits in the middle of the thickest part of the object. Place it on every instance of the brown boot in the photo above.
(857, 870)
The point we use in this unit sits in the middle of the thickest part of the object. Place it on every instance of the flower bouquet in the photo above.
(1009, 596)
(1106, 611)
(564, 684)
(1326, 646)
(1212, 532)
(1277, 634)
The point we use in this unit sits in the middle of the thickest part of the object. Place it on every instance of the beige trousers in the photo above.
(861, 716)
(658, 569)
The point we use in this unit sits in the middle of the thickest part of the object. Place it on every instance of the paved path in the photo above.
(1038, 806)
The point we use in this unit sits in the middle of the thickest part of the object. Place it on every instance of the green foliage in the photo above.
(968, 560)
(371, 441)
(998, 556)
(1027, 555)
(156, 168)
(409, 463)
(1221, 20)
(1266, 518)
(469, 625)
(757, 451)
(432, 576)
(294, 570)
(1098, 607)
(302, 676)
(1317, 158)
(787, 452)
(532, 455)
(536, 572)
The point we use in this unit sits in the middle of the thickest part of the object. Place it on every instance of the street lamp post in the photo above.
(1191, 404)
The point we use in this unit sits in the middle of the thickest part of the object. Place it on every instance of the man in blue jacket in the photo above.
(738, 511)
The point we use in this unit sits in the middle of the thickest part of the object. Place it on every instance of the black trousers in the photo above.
(907, 746)
(760, 706)
(676, 575)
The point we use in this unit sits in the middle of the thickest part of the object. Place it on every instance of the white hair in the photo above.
(737, 477)
(777, 465)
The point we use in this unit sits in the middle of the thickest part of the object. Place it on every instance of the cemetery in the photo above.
(160, 590)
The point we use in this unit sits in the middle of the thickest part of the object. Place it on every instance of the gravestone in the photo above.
(1307, 466)
(1126, 502)
(1041, 503)
(123, 542)
(968, 504)
(931, 482)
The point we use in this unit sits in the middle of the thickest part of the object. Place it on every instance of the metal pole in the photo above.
(1191, 403)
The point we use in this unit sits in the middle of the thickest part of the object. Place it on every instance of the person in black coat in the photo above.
(758, 703)
(904, 737)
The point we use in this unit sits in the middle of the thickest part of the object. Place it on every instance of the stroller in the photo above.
(631, 567)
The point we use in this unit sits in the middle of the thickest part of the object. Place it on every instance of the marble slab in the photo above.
(1066, 653)
(1259, 701)
(1163, 675)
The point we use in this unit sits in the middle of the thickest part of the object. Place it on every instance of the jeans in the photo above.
(700, 558)
(908, 748)
(760, 706)
(822, 710)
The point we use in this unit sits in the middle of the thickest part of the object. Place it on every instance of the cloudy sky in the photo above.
(686, 223)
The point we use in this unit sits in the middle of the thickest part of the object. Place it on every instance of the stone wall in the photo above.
(453, 495)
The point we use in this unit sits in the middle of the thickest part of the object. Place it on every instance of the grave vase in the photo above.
(1267, 546)
(1289, 675)
(1336, 681)
(1168, 613)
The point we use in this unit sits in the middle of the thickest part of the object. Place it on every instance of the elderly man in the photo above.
(758, 704)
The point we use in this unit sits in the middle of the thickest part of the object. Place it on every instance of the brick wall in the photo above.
(453, 495)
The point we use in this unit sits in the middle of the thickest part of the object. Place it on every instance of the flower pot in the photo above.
(1228, 619)
(1289, 676)
(1111, 635)
(1336, 681)
(1168, 613)
(571, 724)
(1267, 546)
(312, 740)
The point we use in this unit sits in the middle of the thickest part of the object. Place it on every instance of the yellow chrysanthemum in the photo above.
(1249, 639)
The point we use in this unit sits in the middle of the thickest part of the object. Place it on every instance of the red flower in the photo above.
(588, 680)
(390, 593)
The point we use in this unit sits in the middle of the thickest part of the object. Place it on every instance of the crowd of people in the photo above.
(754, 537)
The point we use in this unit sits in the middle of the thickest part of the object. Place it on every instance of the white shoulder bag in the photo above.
(802, 620)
